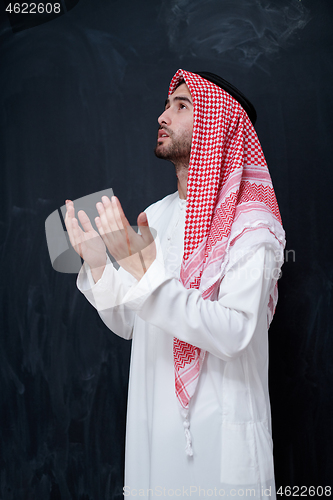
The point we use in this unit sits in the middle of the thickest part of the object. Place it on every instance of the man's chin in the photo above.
(160, 152)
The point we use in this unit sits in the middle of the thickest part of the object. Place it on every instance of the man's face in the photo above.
(176, 126)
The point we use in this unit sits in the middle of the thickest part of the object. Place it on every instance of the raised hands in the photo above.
(134, 252)
(87, 242)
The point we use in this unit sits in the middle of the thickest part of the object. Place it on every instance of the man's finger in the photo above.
(119, 213)
(69, 210)
(144, 228)
(142, 219)
(123, 223)
(105, 237)
(85, 221)
(70, 213)
(109, 212)
(99, 226)
(76, 232)
(104, 223)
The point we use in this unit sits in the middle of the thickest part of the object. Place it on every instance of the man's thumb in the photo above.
(142, 219)
(144, 226)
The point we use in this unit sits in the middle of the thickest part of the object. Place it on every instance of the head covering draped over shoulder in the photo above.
(229, 193)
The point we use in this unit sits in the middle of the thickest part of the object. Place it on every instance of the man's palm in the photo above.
(86, 242)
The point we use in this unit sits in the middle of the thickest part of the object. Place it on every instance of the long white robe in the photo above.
(230, 419)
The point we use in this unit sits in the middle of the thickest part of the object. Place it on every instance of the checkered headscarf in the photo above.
(229, 192)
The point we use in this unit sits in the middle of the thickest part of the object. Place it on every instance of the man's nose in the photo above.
(164, 118)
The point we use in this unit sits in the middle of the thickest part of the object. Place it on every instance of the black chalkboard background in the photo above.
(80, 94)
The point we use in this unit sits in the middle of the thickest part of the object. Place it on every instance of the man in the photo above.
(197, 301)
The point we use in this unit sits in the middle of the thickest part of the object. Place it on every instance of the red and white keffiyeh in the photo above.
(229, 192)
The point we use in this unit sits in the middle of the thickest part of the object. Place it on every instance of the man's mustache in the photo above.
(166, 129)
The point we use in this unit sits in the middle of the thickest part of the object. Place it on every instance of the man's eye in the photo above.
(182, 106)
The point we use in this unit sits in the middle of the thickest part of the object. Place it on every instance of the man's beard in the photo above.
(177, 151)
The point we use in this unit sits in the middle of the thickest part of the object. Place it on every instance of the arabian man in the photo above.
(196, 291)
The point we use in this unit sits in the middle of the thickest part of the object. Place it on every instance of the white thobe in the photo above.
(230, 411)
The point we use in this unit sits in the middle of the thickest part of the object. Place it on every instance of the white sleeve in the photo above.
(223, 327)
(107, 294)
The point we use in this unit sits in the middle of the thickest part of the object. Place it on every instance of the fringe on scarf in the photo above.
(186, 424)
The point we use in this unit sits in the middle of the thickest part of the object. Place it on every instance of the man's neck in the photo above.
(182, 172)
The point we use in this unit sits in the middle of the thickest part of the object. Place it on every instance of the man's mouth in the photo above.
(162, 134)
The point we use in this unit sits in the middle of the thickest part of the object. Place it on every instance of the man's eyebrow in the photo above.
(179, 98)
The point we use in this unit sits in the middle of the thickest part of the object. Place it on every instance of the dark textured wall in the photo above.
(80, 94)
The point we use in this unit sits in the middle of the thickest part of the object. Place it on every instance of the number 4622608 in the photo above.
(33, 8)
(304, 491)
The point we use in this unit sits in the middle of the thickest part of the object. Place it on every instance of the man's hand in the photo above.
(134, 252)
(87, 242)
